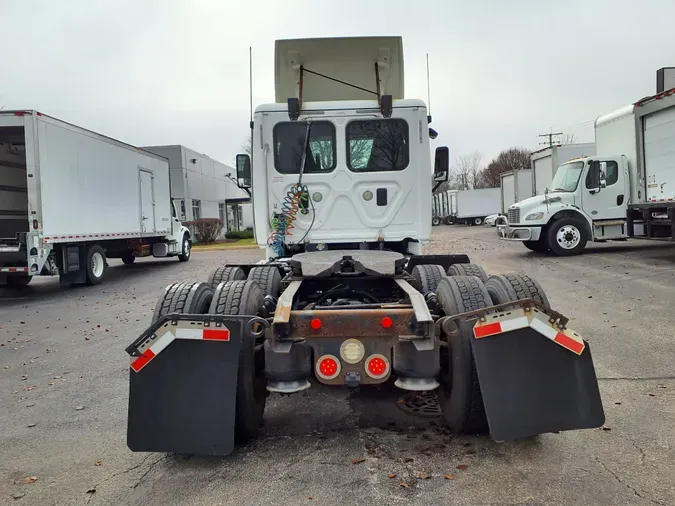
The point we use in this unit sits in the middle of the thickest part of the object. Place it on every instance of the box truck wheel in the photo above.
(128, 257)
(468, 270)
(512, 287)
(435, 221)
(449, 220)
(459, 394)
(567, 236)
(245, 298)
(427, 277)
(186, 249)
(96, 264)
(19, 282)
(477, 221)
(226, 273)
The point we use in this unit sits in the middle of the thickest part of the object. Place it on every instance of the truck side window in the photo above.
(377, 145)
(611, 174)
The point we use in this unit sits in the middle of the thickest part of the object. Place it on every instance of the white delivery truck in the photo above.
(626, 190)
(547, 160)
(515, 186)
(70, 198)
(473, 206)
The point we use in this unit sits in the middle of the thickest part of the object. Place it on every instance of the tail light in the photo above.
(377, 366)
(328, 367)
(35, 224)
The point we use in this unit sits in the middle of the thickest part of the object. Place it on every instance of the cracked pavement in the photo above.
(63, 401)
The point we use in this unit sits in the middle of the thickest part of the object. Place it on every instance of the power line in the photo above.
(550, 136)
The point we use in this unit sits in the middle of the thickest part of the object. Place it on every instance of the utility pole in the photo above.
(550, 136)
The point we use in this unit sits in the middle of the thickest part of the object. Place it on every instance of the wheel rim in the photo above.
(568, 237)
(186, 248)
(478, 221)
(97, 264)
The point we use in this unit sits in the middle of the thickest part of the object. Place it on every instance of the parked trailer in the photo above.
(547, 160)
(627, 190)
(473, 206)
(515, 186)
(348, 299)
(71, 198)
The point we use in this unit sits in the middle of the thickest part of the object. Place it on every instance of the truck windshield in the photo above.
(377, 145)
(567, 177)
(289, 138)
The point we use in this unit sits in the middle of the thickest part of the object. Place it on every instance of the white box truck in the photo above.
(473, 206)
(547, 160)
(515, 186)
(626, 190)
(70, 198)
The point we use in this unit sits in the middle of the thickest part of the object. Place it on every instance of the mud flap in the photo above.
(532, 385)
(183, 384)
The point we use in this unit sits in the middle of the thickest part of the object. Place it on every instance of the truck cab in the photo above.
(586, 201)
(345, 163)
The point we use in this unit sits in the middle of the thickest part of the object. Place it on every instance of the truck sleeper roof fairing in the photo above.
(341, 68)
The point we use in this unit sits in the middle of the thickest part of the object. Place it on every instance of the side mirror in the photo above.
(441, 164)
(244, 171)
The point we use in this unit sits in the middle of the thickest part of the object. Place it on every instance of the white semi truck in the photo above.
(71, 198)
(547, 160)
(626, 190)
(341, 180)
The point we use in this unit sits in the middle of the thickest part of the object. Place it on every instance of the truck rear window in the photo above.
(377, 145)
(289, 139)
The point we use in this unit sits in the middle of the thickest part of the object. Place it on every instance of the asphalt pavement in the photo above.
(64, 388)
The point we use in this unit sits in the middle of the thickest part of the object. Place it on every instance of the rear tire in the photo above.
(427, 277)
(184, 298)
(468, 270)
(449, 220)
(128, 257)
(96, 264)
(435, 221)
(225, 274)
(19, 282)
(245, 298)
(268, 278)
(477, 221)
(512, 287)
(459, 394)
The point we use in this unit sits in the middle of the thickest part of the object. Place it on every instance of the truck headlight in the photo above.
(534, 216)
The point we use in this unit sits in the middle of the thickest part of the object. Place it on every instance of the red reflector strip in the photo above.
(487, 330)
(13, 269)
(216, 334)
(143, 360)
(569, 343)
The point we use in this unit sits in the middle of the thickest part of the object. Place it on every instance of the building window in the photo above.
(221, 212)
(196, 209)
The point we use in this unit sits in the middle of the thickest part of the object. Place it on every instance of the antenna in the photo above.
(428, 90)
(250, 85)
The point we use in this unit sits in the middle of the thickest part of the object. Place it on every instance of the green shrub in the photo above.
(240, 234)
(205, 230)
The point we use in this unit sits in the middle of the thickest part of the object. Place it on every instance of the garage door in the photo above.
(659, 138)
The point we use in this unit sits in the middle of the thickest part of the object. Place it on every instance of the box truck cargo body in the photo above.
(547, 160)
(473, 206)
(70, 198)
(515, 186)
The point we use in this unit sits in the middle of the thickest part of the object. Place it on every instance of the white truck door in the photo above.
(607, 203)
(659, 147)
(147, 201)
(360, 176)
(543, 174)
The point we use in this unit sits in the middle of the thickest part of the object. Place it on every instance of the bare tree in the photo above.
(569, 139)
(467, 170)
(508, 160)
(247, 146)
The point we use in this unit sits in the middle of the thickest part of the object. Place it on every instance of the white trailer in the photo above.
(626, 190)
(70, 198)
(547, 160)
(515, 186)
(473, 206)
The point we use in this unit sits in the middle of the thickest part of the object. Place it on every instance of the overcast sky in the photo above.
(176, 71)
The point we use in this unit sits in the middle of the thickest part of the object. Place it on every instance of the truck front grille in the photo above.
(514, 215)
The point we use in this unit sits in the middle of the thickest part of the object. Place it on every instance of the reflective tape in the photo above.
(534, 319)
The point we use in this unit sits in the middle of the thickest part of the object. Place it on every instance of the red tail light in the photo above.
(35, 224)
(377, 366)
(328, 367)
(387, 322)
(315, 324)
